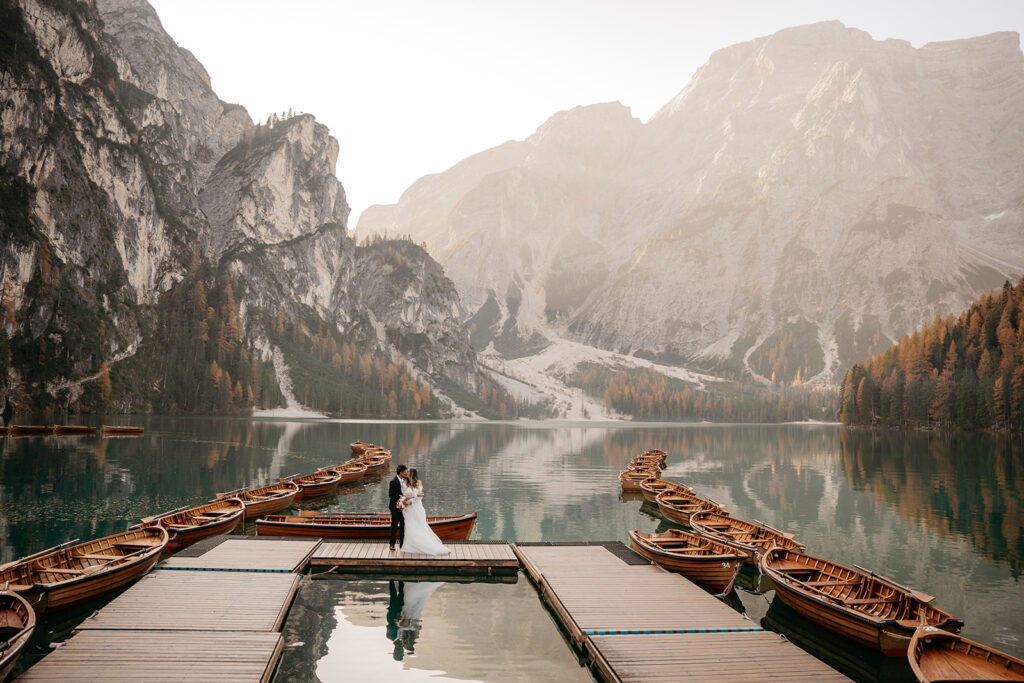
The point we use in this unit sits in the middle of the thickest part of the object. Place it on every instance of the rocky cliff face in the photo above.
(125, 178)
(807, 198)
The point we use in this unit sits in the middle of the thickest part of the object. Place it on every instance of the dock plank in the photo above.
(200, 601)
(752, 656)
(466, 557)
(114, 656)
(613, 608)
(264, 554)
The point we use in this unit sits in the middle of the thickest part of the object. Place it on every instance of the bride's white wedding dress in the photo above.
(419, 537)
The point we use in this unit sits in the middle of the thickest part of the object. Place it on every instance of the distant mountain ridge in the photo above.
(807, 198)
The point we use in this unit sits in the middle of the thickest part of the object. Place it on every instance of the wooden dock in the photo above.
(246, 554)
(639, 622)
(487, 558)
(132, 656)
(200, 601)
(212, 612)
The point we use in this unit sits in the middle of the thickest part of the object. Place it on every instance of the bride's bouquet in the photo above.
(402, 503)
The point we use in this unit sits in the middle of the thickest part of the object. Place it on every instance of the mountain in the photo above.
(809, 197)
(163, 252)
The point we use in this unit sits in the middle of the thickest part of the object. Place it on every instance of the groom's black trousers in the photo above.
(397, 525)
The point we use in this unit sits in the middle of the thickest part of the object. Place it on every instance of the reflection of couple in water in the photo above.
(405, 613)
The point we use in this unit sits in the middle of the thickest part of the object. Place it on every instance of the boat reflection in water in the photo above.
(405, 613)
(849, 658)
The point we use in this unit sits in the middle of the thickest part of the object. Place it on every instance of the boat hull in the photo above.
(631, 478)
(651, 492)
(73, 430)
(122, 431)
(30, 430)
(57, 598)
(70, 576)
(680, 511)
(937, 655)
(714, 571)
(181, 538)
(378, 528)
(276, 503)
(183, 530)
(317, 490)
(889, 635)
(17, 622)
(753, 548)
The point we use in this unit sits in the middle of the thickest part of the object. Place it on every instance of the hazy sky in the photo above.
(411, 87)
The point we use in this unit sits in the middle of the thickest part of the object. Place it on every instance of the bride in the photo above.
(419, 537)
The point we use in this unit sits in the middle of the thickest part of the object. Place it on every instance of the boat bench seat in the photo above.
(870, 601)
(833, 582)
(98, 556)
(18, 586)
(134, 546)
(56, 570)
(205, 518)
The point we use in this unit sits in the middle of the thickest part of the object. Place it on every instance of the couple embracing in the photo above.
(408, 518)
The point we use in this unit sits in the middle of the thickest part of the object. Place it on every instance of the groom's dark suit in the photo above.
(397, 518)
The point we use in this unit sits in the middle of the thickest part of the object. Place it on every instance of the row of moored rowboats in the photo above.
(70, 430)
(854, 602)
(75, 572)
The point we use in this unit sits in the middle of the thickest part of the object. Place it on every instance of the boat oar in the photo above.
(35, 555)
(93, 568)
(780, 532)
(918, 595)
(148, 520)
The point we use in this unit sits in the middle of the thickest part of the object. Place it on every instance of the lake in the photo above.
(938, 512)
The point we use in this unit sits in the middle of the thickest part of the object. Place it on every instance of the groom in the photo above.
(397, 518)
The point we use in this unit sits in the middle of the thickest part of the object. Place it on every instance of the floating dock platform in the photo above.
(213, 612)
(637, 621)
(474, 558)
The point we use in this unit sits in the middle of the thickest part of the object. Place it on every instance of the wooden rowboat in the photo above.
(17, 621)
(109, 430)
(69, 574)
(374, 463)
(320, 483)
(358, 447)
(937, 655)
(647, 462)
(358, 526)
(855, 603)
(265, 500)
(678, 506)
(631, 478)
(699, 559)
(30, 430)
(659, 456)
(653, 486)
(73, 430)
(350, 472)
(187, 525)
(753, 539)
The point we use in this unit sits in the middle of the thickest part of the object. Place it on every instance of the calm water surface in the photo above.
(942, 514)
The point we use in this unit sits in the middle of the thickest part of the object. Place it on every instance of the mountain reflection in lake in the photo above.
(940, 513)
